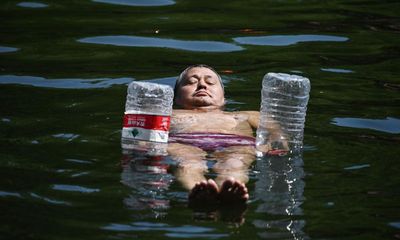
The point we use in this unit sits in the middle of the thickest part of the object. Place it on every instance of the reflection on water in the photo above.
(70, 83)
(68, 136)
(170, 81)
(143, 3)
(135, 41)
(74, 188)
(388, 125)
(80, 161)
(280, 187)
(286, 40)
(357, 167)
(4, 49)
(336, 70)
(149, 180)
(395, 224)
(78, 83)
(32, 5)
(185, 231)
(51, 201)
(9, 194)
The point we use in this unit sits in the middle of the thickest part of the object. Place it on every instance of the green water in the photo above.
(64, 175)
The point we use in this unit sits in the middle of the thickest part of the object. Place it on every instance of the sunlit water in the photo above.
(64, 69)
(286, 40)
(141, 3)
(4, 49)
(135, 41)
(32, 5)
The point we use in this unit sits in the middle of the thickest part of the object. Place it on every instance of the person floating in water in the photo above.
(201, 128)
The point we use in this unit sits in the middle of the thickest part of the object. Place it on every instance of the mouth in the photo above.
(201, 94)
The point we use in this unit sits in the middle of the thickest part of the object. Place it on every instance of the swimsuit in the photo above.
(211, 141)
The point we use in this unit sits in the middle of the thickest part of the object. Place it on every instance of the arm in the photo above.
(253, 118)
(276, 135)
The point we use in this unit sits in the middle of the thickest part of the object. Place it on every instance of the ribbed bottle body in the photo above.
(282, 112)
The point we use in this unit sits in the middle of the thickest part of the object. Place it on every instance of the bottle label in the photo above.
(145, 127)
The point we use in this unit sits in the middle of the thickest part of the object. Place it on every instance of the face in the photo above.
(200, 89)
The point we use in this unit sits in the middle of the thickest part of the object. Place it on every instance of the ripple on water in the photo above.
(336, 70)
(32, 5)
(135, 41)
(74, 188)
(9, 194)
(185, 231)
(80, 174)
(52, 201)
(356, 167)
(286, 40)
(69, 136)
(309, 148)
(139, 3)
(167, 80)
(388, 125)
(6, 120)
(68, 83)
(4, 49)
(395, 224)
(80, 161)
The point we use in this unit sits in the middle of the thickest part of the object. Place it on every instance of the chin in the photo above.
(203, 103)
(208, 106)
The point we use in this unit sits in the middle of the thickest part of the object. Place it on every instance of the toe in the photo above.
(242, 188)
(212, 186)
(227, 184)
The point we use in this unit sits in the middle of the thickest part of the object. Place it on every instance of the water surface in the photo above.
(145, 3)
(136, 41)
(4, 49)
(64, 83)
(389, 125)
(286, 40)
(32, 5)
(64, 70)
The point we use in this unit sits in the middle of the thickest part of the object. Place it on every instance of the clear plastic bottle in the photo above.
(282, 113)
(147, 117)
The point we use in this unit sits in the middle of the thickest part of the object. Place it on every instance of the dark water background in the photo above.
(64, 66)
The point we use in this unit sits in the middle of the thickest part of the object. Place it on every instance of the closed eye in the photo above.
(192, 80)
(210, 80)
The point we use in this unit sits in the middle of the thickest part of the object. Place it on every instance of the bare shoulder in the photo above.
(180, 112)
(248, 114)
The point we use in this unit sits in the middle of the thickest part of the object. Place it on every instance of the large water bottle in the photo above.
(147, 117)
(282, 113)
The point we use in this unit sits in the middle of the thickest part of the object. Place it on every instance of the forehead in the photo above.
(201, 71)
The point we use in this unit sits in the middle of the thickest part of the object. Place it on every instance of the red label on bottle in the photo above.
(152, 122)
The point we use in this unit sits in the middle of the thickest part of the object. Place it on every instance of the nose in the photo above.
(201, 84)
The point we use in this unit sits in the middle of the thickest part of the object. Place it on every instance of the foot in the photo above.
(233, 191)
(204, 193)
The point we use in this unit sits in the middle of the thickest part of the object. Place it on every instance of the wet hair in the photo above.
(182, 77)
